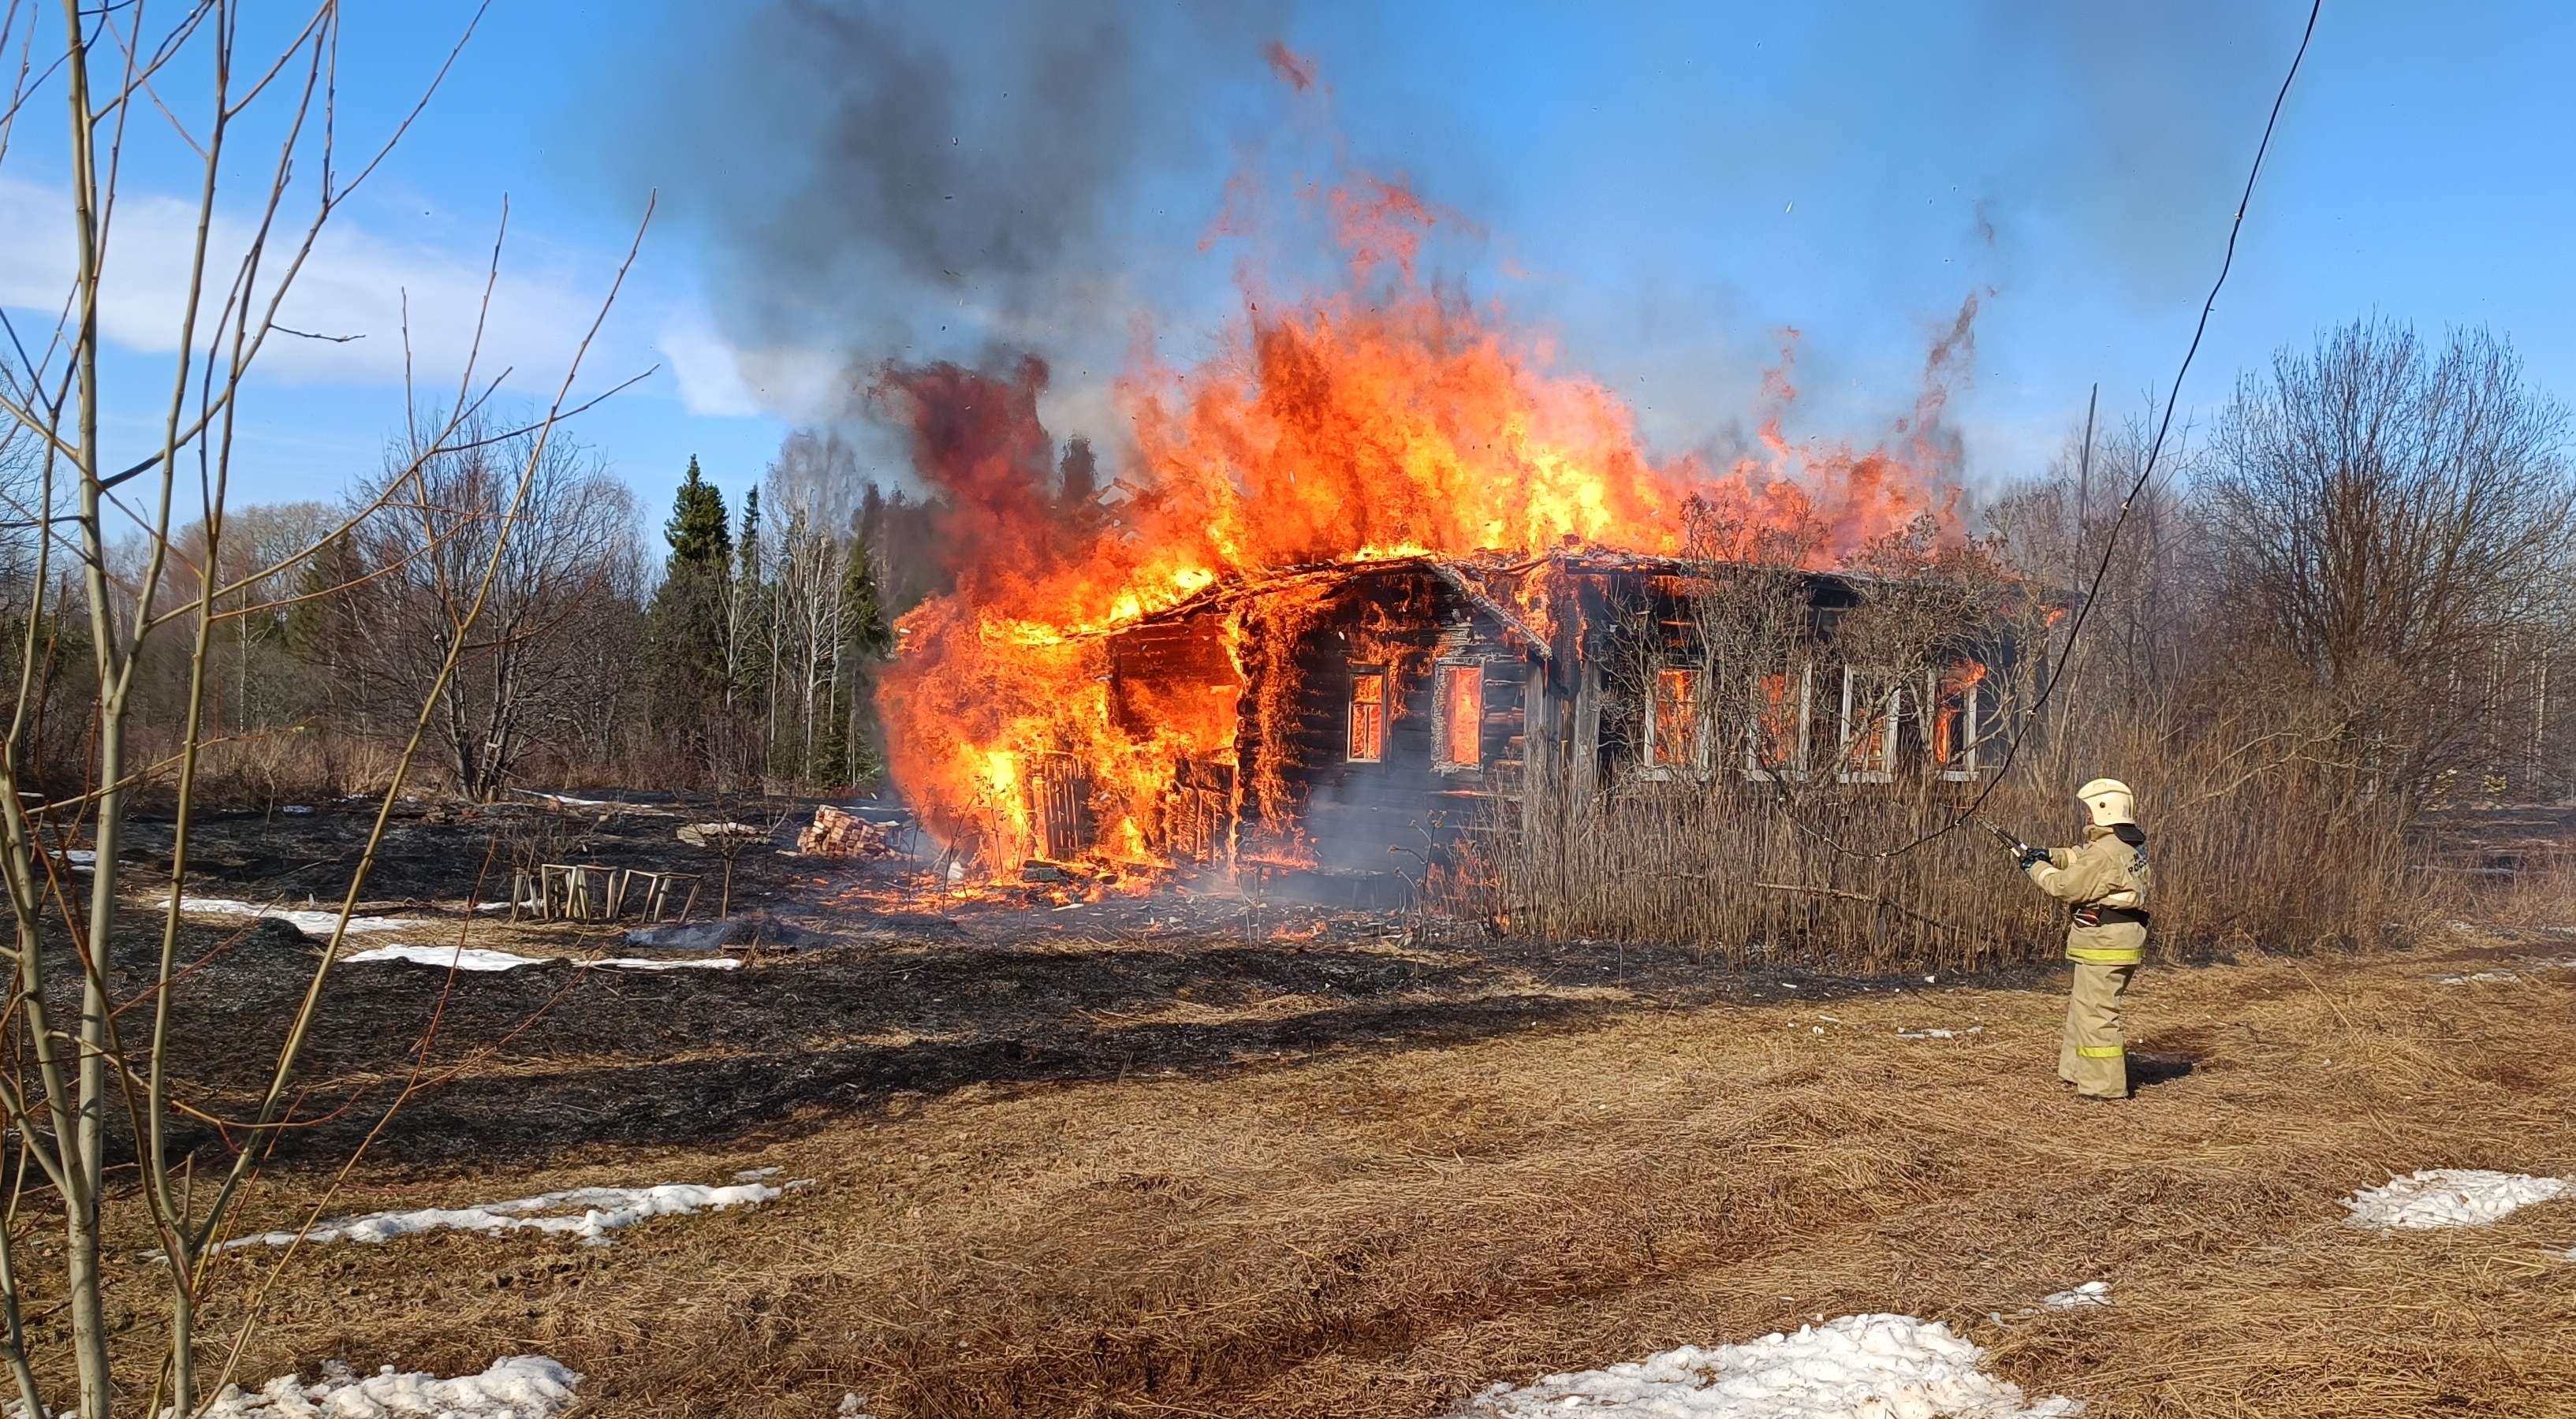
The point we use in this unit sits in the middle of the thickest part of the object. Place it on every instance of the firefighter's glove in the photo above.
(2027, 857)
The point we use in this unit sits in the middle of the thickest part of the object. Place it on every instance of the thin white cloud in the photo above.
(705, 364)
(355, 284)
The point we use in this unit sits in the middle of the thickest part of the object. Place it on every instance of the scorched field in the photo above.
(909, 1155)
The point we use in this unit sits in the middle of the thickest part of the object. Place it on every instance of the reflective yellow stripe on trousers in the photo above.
(2107, 955)
(2099, 1051)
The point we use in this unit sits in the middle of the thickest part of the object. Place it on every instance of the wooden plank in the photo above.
(1585, 754)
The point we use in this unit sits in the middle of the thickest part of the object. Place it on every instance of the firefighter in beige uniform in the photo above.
(2104, 881)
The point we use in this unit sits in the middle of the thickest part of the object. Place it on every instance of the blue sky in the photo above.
(1659, 188)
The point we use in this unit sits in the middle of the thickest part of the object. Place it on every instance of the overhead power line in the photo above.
(2155, 448)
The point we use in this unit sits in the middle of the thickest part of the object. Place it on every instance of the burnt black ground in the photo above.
(893, 994)
(441, 852)
(564, 1058)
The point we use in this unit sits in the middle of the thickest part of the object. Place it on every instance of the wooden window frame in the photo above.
(1443, 675)
(1804, 675)
(1653, 764)
(1883, 770)
(1962, 765)
(1351, 721)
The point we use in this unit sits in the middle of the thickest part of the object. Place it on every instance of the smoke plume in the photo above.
(876, 180)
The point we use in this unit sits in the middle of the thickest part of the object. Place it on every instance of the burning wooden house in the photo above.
(1377, 563)
(1351, 713)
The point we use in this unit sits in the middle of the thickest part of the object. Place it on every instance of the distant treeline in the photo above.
(747, 663)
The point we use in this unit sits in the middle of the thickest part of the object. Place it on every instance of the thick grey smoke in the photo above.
(867, 181)
(884, 111)
(863, 172)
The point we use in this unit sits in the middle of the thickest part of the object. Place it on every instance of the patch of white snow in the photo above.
(475, 958)
(638, 963)
(1940, 1034)
(566, 800)
(2481, 978)
(2449, 1197)
(463, 958)
(517, 1387)
(1853, 1367)
(585, 1212)
(2091, 1293)
(312, 922)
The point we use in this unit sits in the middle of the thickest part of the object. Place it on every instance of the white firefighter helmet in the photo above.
(2109, 801)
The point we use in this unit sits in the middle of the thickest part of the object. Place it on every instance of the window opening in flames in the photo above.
(1777, 746)
(1953, 694)
(1672, 732)
(1869, 719)
(1368, 714)
(1461, 726)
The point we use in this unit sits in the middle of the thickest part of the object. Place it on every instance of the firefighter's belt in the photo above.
(2109, 916)
(2107, 955)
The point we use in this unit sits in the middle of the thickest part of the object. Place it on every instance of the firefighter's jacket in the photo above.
(2104, 883)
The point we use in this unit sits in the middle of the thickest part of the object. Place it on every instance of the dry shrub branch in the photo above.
(127, 619)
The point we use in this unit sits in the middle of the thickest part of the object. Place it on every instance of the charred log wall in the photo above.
(1340, 811)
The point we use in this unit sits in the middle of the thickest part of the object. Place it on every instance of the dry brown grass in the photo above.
(315, 763)
(2535, 896)
(1383, 1233)
(1883, 877)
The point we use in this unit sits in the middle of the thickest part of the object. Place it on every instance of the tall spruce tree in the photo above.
(746, 615)
(686, 630)
(700, 531)
(866, 639)
(863, 619)
(751, 569)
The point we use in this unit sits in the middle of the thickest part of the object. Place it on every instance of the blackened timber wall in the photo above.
(1281, 679)
(1323, 808)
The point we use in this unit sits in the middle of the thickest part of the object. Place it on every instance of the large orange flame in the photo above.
(1385, 418)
